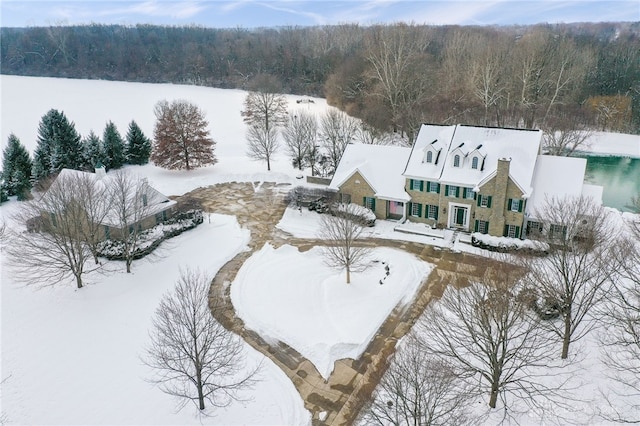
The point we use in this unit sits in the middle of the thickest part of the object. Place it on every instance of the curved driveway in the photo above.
(259, 207)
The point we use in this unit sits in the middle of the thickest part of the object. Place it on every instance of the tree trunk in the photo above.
(128, 262)
(348, 275)
(200, 394)
(566, 338)
(494, 395)
(79, 280)
(268, 164)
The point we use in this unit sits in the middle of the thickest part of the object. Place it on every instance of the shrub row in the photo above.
(150, 239)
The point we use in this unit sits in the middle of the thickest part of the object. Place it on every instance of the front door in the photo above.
(460, 216)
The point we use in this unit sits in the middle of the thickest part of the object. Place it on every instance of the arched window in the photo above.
(456, 161)
(429, 157)
(474, 163)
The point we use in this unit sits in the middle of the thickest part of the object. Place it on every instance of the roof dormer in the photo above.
(432, 152)
(478, 156)
(458, 155)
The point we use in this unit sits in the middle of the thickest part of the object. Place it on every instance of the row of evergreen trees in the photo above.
(60, 146)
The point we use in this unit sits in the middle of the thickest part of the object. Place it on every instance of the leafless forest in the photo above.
(394, 77)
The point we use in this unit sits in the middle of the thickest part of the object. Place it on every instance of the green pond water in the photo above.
(620, 177)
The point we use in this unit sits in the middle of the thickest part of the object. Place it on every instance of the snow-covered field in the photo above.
(90, 104)
(614, 144)
(74, 356)
(296, 298)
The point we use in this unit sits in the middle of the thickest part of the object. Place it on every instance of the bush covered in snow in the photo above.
(305, 196)
(506, 244)
(150, 239)
(355, 212)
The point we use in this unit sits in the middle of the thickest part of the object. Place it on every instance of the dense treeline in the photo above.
(546, 76)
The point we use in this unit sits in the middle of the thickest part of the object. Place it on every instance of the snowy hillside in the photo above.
(90, 104)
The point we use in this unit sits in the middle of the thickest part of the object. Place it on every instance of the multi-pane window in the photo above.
(144, 200)
(416, 209)
(432, 212)
(456, 161)
(432, 186)
(429, 157)
(468, 193)
(512, 231)
(515, 205)
(452, 191)
(557, 231)
(474, 163)
(482, 226)
(416, 185)
(534, 228)
(370, 203)
(484, 201)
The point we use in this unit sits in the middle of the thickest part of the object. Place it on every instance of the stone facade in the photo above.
(500, 195)
(501, 188)
(357, 188)
(424, 198)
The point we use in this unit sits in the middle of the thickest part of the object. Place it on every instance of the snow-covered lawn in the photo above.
(73, 356)
(302, 223)
(294, 297)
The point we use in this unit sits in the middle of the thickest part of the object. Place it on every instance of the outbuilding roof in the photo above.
(380, 165)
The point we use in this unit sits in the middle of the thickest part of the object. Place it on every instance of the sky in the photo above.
(272, 13)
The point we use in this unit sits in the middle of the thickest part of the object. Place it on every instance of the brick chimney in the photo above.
(496, 222)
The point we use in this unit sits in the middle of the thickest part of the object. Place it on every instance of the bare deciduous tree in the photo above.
(575, 273)
(262, 143)
(182, 140)
(56, 248)
(129, 197)
(264, 111)
(338, 130)
(565, 141)
(194, 357)
(417, 390)
(489, 82)
(396, 58)
(566, 133)
(342, 233)
(300, 135)
(490, 339)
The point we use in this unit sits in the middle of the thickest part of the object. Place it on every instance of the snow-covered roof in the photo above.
(156, 201)
(559, 177)
(380, 165)
(520, 146)
(593, 191)
(431, 136)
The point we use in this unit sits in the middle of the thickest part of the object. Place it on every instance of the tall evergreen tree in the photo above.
(93, 151)
(138, 145)
(113, 145)
(16, 166)
(59, 145)
(42, 166)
